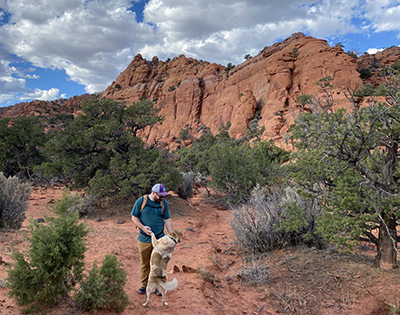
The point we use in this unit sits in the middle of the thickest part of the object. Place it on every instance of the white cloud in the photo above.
(9, 82)
(37, 94)
(372, 51)
(224, 31)
(33, 76)
(89, 39)
(94, 40)
(383, 15)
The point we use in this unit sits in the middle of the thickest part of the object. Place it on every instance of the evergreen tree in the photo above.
(53, 264)
(21, 145)
(236, 170)
(350, 159)
(104, 287)
(100, 149)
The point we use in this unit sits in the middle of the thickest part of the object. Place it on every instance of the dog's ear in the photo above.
(154, 240)
(175, 236)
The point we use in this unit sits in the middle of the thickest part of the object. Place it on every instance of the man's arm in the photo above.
(168, 224)
(139, 224)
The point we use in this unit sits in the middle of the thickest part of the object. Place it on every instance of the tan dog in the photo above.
(160, 256)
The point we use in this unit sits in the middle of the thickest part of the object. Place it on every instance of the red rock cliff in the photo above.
(194, 94)
(191, 94)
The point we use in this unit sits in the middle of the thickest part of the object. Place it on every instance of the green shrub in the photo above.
(229, 67)
(383, 90)
(365, 73)
(101, 152)
(232, 172)
(366, 90)
(64, 116)
(53, 264)
(304, 99)
(295, 52)
(235, 167)
(104, 287)
(196, 159)
(385, 71)
(325, 82)
(13, 201)
(183, 134)
(276, 220)
(171, 88)
(92, 293)
(352, 54)
(117, 86)
(254, 130)
(186, 189)
(235, 170)
(21, 145)
(396, 66)
(72, 203)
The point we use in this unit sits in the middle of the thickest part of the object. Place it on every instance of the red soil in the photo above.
(206, 264)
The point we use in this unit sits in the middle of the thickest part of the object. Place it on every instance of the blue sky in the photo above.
(58, 49)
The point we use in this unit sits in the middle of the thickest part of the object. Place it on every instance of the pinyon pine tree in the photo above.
(354, 154)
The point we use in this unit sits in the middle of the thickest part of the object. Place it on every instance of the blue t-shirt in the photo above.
(152, 216)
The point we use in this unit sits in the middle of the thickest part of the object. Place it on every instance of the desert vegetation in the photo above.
(340, 186)
(54, 266)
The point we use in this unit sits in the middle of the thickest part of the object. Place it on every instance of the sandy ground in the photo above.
(206, 264)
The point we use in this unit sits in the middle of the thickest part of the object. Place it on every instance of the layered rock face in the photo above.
(194, 94)
(45, 109)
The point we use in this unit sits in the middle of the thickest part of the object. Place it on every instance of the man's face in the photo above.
(158, 197)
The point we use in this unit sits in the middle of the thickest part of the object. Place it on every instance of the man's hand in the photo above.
(144, 228)
(147, 230)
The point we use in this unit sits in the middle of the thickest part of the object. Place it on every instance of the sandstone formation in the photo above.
(192, 94)
(378, 62)
(195, 95)
(45, 109)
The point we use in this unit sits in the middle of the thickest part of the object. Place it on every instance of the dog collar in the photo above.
(173, 240)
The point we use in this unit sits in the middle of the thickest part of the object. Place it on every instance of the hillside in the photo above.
(194, 94)
(210, 268)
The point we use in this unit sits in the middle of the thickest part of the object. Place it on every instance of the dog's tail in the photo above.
(171, 285)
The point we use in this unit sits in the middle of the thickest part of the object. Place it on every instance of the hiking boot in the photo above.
(142, 290)
(158, 292)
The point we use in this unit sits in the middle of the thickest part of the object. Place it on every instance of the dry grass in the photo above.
(207, 275)
(394, 308)
(306, 280)
(256, 272)
(3, 283)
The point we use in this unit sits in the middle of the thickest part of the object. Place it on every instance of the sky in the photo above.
(51, 49)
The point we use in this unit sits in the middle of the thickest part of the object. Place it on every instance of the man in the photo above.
(150, 213)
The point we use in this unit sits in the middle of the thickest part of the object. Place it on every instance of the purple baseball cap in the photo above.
(159, 189)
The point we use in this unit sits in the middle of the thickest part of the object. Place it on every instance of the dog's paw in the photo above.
(165, 303)
(145, 304)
